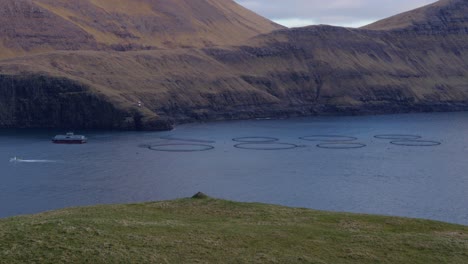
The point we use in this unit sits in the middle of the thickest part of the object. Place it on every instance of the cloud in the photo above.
(349, 13)
(295, 22)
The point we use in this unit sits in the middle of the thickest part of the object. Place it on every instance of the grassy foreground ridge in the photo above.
(217, 231)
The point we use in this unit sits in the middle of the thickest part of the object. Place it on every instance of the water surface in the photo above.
(378, 177)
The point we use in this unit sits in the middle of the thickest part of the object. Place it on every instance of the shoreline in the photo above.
(174, 124)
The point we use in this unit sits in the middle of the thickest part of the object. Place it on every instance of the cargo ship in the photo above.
(69, 138)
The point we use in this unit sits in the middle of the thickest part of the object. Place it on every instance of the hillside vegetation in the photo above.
(164, 62)
(217, 231)
(38, 26)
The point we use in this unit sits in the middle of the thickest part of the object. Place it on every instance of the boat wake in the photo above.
(18, 160)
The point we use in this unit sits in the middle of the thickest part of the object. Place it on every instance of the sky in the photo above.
(347, 13)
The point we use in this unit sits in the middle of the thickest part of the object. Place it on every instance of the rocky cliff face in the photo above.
(39, 101)
(416, 62)
(35, 101)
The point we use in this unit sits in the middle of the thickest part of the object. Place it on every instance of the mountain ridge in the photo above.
(36, 26)
(312, 70)
(443, 14)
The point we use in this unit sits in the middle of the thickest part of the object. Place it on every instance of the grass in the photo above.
(217, 231)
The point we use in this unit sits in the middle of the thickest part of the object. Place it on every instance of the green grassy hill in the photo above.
(217, 231)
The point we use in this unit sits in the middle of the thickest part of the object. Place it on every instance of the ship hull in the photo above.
(70, 142)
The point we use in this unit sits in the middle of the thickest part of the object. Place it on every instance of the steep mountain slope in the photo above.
(442, 15)
(303, 71)
(34, 26)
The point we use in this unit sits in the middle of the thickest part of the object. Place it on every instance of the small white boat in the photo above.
(69, 138)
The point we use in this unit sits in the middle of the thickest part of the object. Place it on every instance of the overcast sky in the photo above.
(349, 13)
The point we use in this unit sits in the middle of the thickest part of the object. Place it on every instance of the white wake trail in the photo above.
(17, 160)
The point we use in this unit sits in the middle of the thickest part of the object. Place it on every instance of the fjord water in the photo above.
(118, 167)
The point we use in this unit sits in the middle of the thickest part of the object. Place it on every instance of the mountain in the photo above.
(394, 65)
(37, 26)
(442, 15)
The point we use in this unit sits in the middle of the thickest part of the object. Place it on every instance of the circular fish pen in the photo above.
(329, 138)
(398, 137)
(266, 146)
(187, 140)
(181, 147)
(341, 145)
(416, 143)
(255, 139)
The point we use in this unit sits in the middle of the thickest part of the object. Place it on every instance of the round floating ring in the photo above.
(398, 137)
(255, 139)
(266, 146)
(329, 138)
(341, 145)
(180, 147)
(187, 139)
(416, 143)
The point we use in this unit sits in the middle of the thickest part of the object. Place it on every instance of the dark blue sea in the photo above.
(412, 165)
